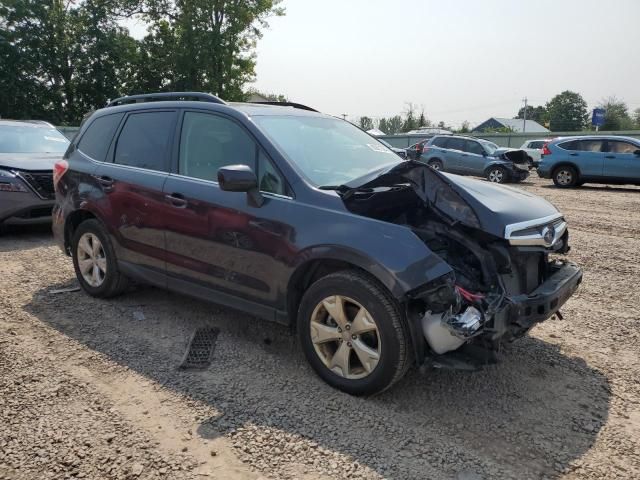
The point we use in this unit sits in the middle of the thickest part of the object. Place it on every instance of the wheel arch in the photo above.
(565, 164)
(72, 222)
(318, 264)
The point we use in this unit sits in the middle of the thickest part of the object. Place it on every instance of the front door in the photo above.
(217, 240)
(474, 158)
(453, 155)
(621, 162)
(132, 180)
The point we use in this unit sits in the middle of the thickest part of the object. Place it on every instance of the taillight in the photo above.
(59, 169)
(545, 149)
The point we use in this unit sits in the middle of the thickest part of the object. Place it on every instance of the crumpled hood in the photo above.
(486, 206)
(29, 161)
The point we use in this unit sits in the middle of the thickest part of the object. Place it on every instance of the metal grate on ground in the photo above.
(200, 350)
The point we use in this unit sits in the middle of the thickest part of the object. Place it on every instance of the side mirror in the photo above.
(240, 178)
(484, 153)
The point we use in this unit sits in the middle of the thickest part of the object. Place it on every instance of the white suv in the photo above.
(534, 149)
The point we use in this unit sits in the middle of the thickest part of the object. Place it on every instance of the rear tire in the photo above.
(94, 261)
(497, 174)
(436, 165)
(363, 350)
(565, 177)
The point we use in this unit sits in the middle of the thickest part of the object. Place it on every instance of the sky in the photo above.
(458, 59)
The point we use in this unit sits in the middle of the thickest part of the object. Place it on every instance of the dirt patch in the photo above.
(92, 389)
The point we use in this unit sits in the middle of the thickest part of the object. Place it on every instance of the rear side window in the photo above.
(209, 142)
(617, 146)
(456, 144)
(144, 140)
(536, 145)
(582, 145)
(440, 142)
(96, 140)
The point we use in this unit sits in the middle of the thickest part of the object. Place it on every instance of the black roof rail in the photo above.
(146, 97)
(288, 104)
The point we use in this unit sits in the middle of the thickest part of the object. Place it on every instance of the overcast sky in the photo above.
(459, 59)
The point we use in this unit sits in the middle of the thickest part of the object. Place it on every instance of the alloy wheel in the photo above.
(496, 176)
(345, 337)
(92, 259)
(564, 177)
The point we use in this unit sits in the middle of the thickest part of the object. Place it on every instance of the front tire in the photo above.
(352, 333)
(565, 177)
(94, 261)
(497, 175)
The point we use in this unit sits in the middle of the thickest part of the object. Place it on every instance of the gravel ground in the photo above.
(91, 389)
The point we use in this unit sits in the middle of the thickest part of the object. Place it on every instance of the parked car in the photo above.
(534, 150)
(401, 152)
(573, 161)
(28, 151)
(471, 156)
(414, 151)
(297, 217)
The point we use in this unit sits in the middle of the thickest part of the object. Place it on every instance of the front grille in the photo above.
(41, 182)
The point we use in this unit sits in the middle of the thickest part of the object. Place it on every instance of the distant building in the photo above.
(515, 124)
(429, 131)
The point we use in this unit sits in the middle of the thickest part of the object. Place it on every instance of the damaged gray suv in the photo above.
(298, 217)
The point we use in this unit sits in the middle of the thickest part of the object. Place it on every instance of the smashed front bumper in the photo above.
(524, 311)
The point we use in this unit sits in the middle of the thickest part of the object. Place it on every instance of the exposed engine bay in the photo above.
(498, 287)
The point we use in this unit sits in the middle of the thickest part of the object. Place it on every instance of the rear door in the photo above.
(131, 181)
(620, 161)
(453, 161)
(218, 245)
(587, 154)
(473, 158)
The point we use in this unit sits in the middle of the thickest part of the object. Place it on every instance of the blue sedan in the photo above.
(572, 161)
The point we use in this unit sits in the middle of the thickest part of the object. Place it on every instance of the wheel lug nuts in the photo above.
(348, 327)
(339, 330)
(354, 337)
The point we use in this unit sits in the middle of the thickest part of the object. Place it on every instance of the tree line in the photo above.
(60, 59)
(565, 112)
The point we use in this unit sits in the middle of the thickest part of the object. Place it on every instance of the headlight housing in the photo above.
(10, 183)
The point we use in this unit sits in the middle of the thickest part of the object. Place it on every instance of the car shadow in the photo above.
(530, 416)
(21, 237)
(607, 188)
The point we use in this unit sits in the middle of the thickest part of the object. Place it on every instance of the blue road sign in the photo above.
(598, 117)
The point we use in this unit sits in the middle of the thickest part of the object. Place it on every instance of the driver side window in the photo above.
(209, 142)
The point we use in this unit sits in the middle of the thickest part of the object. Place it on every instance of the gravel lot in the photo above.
(91, 389)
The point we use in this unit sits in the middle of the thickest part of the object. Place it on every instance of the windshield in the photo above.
(489, 147)
(329, 151)
(31, 139)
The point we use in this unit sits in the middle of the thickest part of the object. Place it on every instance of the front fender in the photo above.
(399, 276)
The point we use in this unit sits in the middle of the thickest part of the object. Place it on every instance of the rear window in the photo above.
(144, 140)
(97, 138)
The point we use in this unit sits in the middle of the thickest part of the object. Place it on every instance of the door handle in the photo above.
(106, 182)
(609, 156)
(573, 154)
(177, 200)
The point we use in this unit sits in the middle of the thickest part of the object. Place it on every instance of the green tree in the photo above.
(538, 114)
(636, 118)
(207, 45)
(366, 123)
(272, 97)
(410, 121)
(64, 58)
(567, 112)
(465, 127)
(393, 125)
(423, 121)
(617, 114)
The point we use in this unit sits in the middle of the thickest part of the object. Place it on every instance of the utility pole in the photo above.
(344, 116)
(524, 124)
